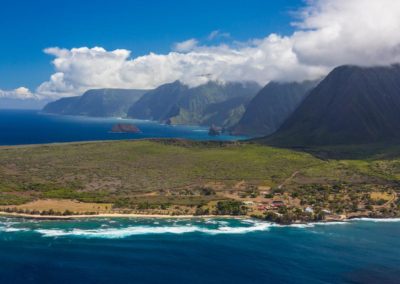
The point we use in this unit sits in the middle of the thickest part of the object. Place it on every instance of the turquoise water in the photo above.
(18, 127)
(198, 251)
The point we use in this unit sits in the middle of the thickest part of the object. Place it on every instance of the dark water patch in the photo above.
(197, 251)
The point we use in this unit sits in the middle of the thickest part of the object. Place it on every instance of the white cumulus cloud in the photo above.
(186, 45)
(335, 32)
(21, 93)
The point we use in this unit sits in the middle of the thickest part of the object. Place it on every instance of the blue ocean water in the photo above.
(18, 127)
(197, 251)
(181, 251)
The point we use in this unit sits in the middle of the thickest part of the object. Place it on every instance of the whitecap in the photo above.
(311, 225)
(200, 130)
(300, 226)
(248, 221)
(378, 220)
(115, 233)
(331, 223)
(239, 230)
(12, 230)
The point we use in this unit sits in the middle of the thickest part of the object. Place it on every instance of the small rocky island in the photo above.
(125, 128)
(215, 130)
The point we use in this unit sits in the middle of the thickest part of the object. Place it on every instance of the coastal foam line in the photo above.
(208, 227)
(223, 228)
(378, 220)
(7, 228)
(113, 233)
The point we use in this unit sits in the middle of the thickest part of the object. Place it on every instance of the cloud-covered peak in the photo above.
(336, 32)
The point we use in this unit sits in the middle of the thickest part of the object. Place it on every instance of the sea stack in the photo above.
(214, 130)
(125, 128)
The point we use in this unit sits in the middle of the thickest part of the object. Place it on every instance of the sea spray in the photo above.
(112, 233)
(378, 220)
(123, 228)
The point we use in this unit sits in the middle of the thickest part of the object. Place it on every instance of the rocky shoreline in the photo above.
(342, 219)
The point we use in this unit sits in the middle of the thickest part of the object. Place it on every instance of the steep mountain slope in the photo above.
(97, 103)
(212, 103)
(271, 107)
(352, 105)
(159, 103)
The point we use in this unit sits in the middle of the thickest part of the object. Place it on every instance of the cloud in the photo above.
(218, 34)
(80, 69)
(263, 60)
(186, 46)
(21, 93)
(327, 33)
(335, 32)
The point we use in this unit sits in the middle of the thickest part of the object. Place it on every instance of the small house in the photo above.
(277, 203)
(309, 210)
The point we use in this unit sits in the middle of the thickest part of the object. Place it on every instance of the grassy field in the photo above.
(64, 206)
(182, 173)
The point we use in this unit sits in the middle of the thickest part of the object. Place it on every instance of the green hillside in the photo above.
(221, 104)
(352, 105)
(159, 174)
(97, 103)
(269, 109)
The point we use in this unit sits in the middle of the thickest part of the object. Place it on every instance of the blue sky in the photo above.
(28, 27)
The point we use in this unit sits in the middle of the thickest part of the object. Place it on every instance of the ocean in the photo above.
(181, 251)
(18, 127)
(198, 251)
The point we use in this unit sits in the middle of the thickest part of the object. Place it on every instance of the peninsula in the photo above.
(186, 178)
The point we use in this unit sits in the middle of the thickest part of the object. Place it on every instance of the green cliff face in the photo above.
(352, 105)
(271, 107)
(97, 103)
(216, 103)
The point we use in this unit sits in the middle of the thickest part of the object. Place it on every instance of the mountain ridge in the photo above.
(267, 111)
(97, 103)
(352, 105)
(211, 103)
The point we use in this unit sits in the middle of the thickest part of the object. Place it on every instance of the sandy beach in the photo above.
(113, 215)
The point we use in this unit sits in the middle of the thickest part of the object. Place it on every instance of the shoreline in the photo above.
(160, 216)
(116, 215)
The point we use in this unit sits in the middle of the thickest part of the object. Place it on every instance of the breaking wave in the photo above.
(113, 233)
(377, 220)
(13, 230)
(111, 230)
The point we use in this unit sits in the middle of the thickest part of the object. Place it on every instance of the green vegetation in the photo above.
(267, 111)
(98, 103)
(12, 199)
(207, 104)
(352, 105)
(170, 176)
(230, 207)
